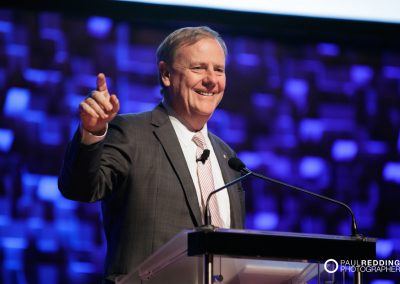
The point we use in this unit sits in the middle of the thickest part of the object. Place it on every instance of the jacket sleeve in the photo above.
(92, 172)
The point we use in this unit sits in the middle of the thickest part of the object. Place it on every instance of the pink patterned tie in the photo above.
(206, 180)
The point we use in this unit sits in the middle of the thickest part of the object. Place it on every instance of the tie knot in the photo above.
(199, 140)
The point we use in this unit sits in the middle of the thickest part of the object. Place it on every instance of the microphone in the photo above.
(207, 215)
(237, 165)
(204, 156)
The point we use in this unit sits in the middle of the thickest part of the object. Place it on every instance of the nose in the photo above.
(210, 79)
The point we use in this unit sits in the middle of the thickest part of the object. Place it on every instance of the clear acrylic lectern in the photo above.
(250, 257)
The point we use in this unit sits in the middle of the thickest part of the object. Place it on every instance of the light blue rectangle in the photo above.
(391, 172)
(6, 139)
(17, 101)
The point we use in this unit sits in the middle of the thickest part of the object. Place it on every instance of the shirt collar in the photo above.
(184, 134)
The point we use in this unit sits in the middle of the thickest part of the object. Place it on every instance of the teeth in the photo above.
(205, 94)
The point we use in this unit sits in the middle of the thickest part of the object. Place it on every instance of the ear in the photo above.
(164, 73)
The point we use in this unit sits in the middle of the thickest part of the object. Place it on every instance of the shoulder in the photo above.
(156, 117)
(137, 125)
(131, 117)
(127, 127)
(131, 121)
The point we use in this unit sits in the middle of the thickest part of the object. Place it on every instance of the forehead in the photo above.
(204, 49)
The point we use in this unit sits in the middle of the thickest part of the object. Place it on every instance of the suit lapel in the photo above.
(227, 174)
(169, 141)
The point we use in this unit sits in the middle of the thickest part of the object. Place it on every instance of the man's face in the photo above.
(195, 81)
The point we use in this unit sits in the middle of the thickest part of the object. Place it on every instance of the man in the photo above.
(147, 168)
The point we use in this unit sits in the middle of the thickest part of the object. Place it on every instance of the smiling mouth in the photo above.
(206, 94)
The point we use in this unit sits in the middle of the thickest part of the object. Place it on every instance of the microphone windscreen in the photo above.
(205, 155)
(236, 164)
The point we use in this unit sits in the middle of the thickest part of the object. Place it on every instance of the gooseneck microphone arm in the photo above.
(354, 230)
(239, 166)
(207, 215)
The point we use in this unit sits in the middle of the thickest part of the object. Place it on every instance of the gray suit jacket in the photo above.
(140, 174)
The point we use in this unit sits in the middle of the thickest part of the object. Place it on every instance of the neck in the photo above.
(193, 123)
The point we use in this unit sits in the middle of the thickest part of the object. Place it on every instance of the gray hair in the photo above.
(184, 37)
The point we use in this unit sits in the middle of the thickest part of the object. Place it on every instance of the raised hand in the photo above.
(99, 108)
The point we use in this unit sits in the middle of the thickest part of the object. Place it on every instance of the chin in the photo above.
(207, 107)
(206, 110)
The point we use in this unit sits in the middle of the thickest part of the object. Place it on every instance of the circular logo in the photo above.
(330, 269)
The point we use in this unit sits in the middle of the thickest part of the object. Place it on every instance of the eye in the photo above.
(220, 70)
(197, 68)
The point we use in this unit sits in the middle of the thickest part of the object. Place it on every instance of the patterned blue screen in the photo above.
(319, 115)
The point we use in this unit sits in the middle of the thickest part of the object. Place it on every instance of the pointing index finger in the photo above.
(101, 82)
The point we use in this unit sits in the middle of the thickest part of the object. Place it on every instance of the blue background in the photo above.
(320, 113)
